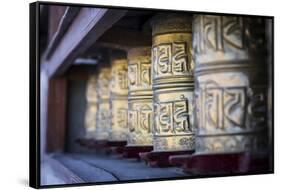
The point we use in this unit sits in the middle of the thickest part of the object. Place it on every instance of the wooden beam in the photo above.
(86, 28)
(65, 22)
(124, 39)
(80, 72)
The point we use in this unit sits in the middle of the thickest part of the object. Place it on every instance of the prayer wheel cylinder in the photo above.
(230, 84)
(172, 83)
(140, 97)
(91, 110)
(103, 105)
(119, 99)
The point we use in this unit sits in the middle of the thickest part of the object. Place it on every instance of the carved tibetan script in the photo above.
(122, 117)
(170, 59)
(139, 74)
(226, 107)
(140, 119)
(172, 117)
(218, 33)
(122, 78)
(104, 118)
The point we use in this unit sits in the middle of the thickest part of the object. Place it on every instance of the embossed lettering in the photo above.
(170, 59)
(172, 117)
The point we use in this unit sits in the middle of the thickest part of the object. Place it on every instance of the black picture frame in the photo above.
(34, 97)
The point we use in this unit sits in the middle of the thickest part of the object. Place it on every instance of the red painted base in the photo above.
(117, 143)
(160, 159)
(134, 151)
(84, 142)
(81, 141)
(118, 149)
(221, 163)
(117, 146)
(97, 144)
(103, 145)
(100, 146)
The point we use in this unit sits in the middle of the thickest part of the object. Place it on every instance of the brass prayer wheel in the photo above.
(103, 105)
(230, 84)
(119, 99)
(91, 110)
(140, 97)
(173, 83)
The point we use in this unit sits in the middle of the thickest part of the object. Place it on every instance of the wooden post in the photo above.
(56, 112)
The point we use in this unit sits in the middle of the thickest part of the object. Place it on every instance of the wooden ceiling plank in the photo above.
(86, 28)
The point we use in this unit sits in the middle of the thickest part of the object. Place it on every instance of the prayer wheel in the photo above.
(91, 110)
(103, 103)
(172, 83)
(119, 100)
(230, 80)
(140, 108)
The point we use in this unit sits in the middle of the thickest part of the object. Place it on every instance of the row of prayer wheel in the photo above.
(201, 86)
